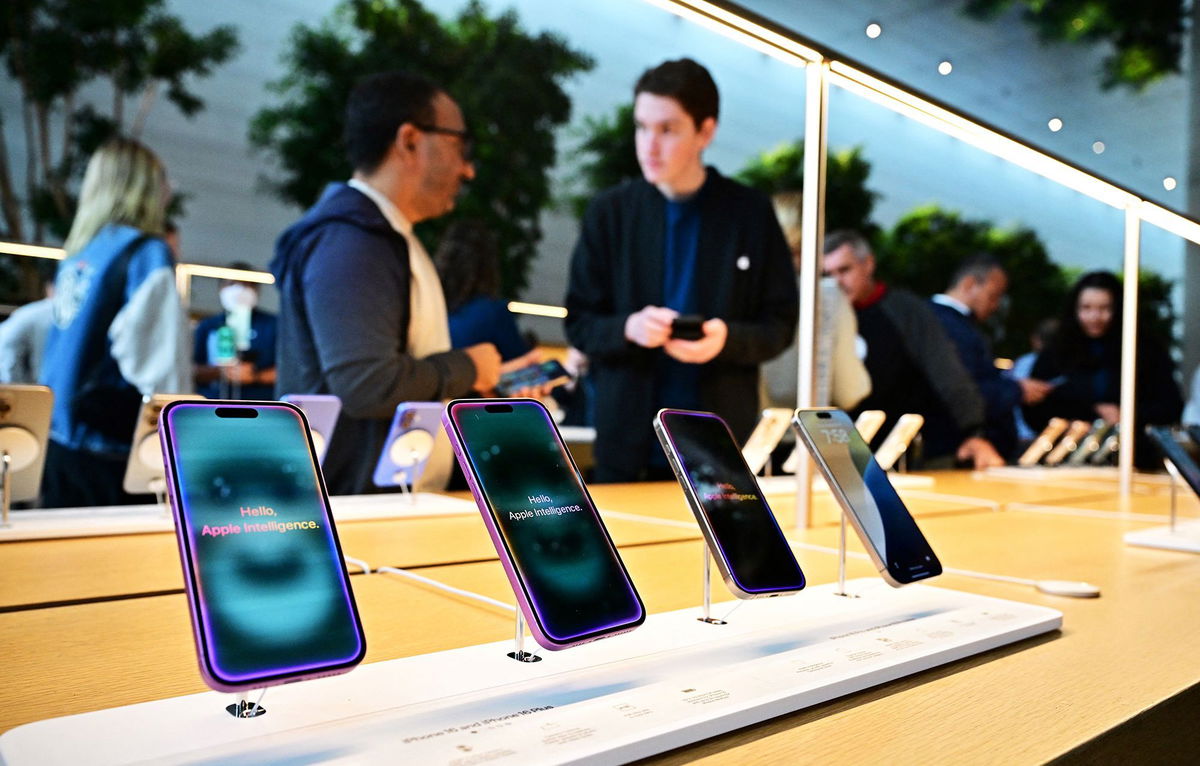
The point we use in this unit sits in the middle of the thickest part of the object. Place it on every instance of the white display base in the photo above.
(786, 485)
(672, 682)
(1186, 537)
(140, 519)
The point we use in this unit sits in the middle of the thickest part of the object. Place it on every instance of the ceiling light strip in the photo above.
(222, 272)
(32, 251)
(730, 25)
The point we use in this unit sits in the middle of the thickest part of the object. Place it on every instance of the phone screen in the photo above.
(744, 530)
(270, 592)
(846, 461)
(548, 372)
(1180, 450)
(573, 578)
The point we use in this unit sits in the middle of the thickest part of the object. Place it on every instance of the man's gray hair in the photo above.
(842, 237)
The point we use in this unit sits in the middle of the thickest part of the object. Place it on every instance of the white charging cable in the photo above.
(447, 588)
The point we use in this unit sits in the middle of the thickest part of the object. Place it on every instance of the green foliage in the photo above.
(507, 81)
(1146, 36)
(926, 246)
(848, 201)
(52, 48)
(608, 153)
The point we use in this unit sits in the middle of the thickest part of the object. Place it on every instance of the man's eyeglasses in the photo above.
(463, 137)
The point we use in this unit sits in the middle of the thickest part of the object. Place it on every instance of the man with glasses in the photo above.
(362, 312)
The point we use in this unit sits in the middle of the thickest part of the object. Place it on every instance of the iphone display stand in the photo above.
(841, 583)
(518, 653)
(244, 708)
(159, 487)
(1176, 480)
(410, 455)
(707, 574)
(1176, 536)
(18, 450)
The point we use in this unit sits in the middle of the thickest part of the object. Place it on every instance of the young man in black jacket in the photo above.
(683, 240)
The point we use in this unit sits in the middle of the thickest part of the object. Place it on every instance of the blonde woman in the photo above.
(119, 330)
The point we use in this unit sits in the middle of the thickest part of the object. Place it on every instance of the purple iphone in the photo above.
(322, 411)
(569, 580)
(267, 589)
(409, 444)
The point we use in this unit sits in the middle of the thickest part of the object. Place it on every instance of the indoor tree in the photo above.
(509, 83)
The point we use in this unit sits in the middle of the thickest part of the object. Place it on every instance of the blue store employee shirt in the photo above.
(678, 384)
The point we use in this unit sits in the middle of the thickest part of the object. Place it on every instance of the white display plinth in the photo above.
(672, 682)
(140, 519)
(786, 485)
(1185, 537)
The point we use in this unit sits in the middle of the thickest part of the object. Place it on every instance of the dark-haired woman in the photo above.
(1083, 359)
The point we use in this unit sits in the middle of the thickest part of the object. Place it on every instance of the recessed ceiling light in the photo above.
(1055, 124)
(874, 30)
(1169, 183)
(1098, 147)
(945, 67)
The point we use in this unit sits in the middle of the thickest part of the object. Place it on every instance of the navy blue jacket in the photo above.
(1000, 394)
(343, 278)
(744, 276)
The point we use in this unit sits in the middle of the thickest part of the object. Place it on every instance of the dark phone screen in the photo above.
(572, 574)
(891, 530)
(1181, 450)
(745, 531)
(688, 327)
(533, 375)
(273, 596)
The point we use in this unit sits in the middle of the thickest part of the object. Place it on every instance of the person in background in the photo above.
(1084, 360)
(842, 379)
(119, 329)
(976, 289)
(1022, 369)
(234, 351)
(23, 339)
(362, 313)
(682, 240)
(913, 365)
(468, 263)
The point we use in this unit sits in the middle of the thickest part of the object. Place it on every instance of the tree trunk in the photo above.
(31, 169)
(9, 203)
(1191, 258)
(145, 104)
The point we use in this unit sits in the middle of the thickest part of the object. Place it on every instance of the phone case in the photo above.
(514, 579)
(409, 444)
(186, 562)
(1043, 443)
(765, 437)
(144, 471)
(322, 411)
(896, 443)
(24, 431)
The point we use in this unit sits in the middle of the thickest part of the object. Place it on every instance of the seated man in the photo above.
(912, 363)
(973, 296)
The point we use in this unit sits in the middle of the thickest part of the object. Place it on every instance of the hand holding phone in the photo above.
(687, 327)
(545, 375)
(752, 554)
(267, 588)
(569, 580)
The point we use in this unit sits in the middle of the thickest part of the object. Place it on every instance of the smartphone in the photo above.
(267, 588)
(569, 580)
(549, 373)
(867, 424)
(322, 411)
(144, 470)
(1110, 447)
(409, 444)
(1180, 450)
(1043, 443)
(861, 486)
(752, 554)
(1090, 444)
(687, 327)
(765, 437)
(898, 439)
(24, 430)
(1069, 443)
